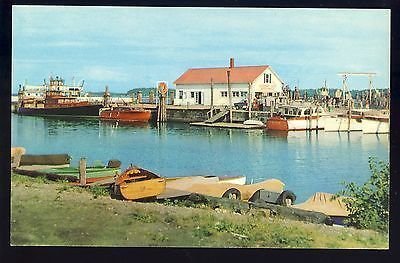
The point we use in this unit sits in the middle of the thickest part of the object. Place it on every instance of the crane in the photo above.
(346, 74)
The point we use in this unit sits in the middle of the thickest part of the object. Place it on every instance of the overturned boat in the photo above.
(328, 204)
(271, 190)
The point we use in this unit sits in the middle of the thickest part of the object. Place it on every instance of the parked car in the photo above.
(241, 105)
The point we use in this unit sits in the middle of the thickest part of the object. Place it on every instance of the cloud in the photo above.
(66, 43)
(146, 43)
(100, 73)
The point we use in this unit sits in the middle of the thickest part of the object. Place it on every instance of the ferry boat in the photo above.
(297, 118)
(55, 98)
(125, 114)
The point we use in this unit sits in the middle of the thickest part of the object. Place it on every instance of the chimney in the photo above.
(231, 63)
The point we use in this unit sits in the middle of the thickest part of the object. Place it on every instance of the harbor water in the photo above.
(307, 162)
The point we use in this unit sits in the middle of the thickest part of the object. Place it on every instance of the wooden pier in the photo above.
(232, 125)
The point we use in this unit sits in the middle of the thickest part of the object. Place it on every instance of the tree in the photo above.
(368, 204)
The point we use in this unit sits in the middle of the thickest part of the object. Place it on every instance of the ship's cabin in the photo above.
(292, 111)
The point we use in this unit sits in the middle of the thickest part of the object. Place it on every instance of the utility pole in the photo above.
(249, 102)
(228, 72)
(212, 96)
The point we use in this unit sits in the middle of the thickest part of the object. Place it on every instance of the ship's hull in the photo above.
(82, 110)
(375, 125)
(295, 124)
(126, 115)
(343, 124)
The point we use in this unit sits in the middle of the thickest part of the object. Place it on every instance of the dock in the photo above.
(232, 125)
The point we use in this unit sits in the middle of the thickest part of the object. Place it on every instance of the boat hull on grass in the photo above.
(136, 183)
(325, 203)
(142, 189)
(223, 188)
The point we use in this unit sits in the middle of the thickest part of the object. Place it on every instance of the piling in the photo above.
(82, 171)
(162, 106)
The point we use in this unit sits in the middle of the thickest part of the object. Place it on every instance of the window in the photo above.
(224, 94)
(270, 94)
(243, 94)
(267, 78)
(235, 93)
(192, 94)
(181, 94)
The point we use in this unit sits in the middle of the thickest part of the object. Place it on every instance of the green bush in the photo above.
(368, 204)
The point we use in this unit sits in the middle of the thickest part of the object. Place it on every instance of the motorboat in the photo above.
(297, 118)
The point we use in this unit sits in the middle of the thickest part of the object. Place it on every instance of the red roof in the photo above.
(203, 75)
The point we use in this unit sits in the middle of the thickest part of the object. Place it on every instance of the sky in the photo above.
(134, 47)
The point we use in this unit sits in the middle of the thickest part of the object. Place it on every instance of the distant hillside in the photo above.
(311, 92)
(101, 93)
(145, 93)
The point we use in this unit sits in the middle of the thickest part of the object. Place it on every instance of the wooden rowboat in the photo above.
(137, 183)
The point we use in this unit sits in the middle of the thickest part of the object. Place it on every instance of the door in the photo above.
(199, 99)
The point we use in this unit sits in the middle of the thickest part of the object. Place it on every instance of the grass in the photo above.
(55, 213)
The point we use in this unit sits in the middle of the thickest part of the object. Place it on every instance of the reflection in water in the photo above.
(277, 134)
(56, 125)
(306, 162)
(161, 129)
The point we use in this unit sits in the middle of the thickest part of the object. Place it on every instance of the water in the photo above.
(307, 162)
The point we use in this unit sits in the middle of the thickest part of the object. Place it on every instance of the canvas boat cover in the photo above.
(323, 202)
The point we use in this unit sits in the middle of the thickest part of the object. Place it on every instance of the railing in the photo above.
(213, 112)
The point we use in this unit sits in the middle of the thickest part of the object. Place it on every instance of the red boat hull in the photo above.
(277, 124)
(126, 115)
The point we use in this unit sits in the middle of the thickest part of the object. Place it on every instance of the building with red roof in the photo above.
(209, 86)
